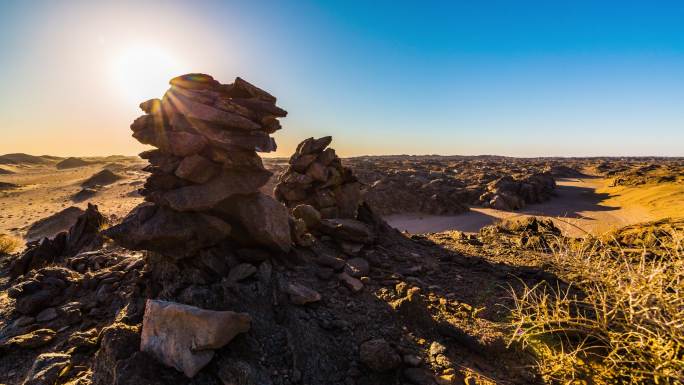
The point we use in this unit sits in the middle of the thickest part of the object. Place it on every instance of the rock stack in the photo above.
(205, 171)
(316, 177)
(325, 198)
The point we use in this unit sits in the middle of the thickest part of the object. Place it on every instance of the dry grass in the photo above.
(620, 320)
(9, 244)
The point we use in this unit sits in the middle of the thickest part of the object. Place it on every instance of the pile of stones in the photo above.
(205, 173)
(316, 177)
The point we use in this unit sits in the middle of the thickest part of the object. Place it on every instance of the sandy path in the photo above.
(581, 206)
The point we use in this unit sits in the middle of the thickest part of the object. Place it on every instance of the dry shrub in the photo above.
(620, 321)
(8, 244)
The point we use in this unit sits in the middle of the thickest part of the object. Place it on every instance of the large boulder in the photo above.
(265, 220)
(174, 234)
(185, 337)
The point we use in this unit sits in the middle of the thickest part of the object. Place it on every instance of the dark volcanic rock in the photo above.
(150, 227)
(84, 235)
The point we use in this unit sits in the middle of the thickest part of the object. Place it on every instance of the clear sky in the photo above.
(521, 78)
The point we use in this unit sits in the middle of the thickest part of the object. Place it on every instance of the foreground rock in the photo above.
(185, 337)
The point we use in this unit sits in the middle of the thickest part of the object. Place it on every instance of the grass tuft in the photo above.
(620, 318)
(9, 244)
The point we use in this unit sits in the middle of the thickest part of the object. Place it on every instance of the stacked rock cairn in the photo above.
(317, 177)
(205, 173)
(324, 196)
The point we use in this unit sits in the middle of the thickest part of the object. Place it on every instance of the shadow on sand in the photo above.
(569, 202)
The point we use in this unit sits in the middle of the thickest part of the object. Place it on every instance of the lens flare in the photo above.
(142, 72)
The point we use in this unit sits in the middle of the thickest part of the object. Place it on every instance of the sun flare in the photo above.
(142, 72)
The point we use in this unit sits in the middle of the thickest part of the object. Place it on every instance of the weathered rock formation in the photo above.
(83, 235)
(205, 172)
(507, 193)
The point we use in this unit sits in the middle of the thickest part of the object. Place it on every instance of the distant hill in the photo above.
(71, 163)
(102, 178)
(20, 158)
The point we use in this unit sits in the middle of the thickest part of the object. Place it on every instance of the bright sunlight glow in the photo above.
(143, 72)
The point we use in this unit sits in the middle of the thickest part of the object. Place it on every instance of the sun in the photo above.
(142, 72)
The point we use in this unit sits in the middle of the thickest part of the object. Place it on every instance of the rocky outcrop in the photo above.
(84, 235)
(205, 173)
(507, 193)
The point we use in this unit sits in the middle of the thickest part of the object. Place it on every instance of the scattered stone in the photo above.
(47, 315)
(32, 340)
(350, 230)
(330, 261)
(419, 376)
(308, 214)
(357, 267)
(241, 272)
(300, 294)
(46, 368)
(352, 283)
(379, 355)
(412, 360)
(185, 337)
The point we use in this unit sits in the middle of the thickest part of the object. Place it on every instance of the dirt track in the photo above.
(581, 206)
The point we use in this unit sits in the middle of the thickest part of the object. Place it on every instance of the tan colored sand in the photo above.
(45, 191)
(581, 206)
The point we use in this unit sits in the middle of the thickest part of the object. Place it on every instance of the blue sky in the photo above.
(521, 78)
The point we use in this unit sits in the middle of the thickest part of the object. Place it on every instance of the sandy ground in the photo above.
(581, 206)
(45, 191)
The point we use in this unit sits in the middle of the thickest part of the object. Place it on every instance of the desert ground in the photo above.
(199, 262)
(588, 205)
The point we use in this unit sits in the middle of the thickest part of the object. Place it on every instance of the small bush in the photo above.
(620, 320)
(8, 244)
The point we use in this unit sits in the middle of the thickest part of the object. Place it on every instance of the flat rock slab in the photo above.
(184, 337)
(225, 185)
